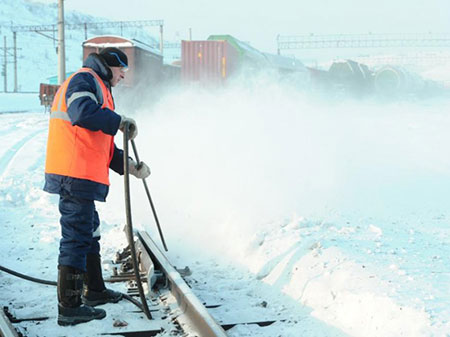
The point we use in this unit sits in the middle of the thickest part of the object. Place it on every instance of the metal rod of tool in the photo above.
(149, 197)
(129, 227)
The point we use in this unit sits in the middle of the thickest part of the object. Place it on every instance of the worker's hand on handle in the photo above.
(132, 128)
(140, 171)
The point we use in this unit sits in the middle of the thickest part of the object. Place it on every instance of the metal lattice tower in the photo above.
(362, 41)
(42, 29)
(109, 24)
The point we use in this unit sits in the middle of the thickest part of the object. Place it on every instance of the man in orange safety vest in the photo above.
(80, 152)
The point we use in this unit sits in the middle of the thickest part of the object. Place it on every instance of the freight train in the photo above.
(214, 61)
(146, 65)
(206, 62)
(223, 56)
(395, 80)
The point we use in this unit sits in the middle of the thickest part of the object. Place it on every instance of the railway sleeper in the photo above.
(174, 308)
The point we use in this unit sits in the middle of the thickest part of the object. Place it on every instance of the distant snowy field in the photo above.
(19, 102)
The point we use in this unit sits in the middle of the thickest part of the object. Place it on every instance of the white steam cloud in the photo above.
(230, 160)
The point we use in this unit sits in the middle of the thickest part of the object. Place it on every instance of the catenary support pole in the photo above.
(61, 44)
(5, 64)
(15, 60)
(161, 39)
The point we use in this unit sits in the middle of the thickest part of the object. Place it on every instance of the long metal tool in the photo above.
(129, 227)
(149, 197)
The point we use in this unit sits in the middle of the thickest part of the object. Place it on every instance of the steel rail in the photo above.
(6, 328)
(194, 312)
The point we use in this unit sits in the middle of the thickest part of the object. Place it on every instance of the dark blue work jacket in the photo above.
(87, 113)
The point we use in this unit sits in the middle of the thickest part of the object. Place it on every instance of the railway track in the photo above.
(174, 308)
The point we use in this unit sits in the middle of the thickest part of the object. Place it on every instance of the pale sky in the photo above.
(259, 22)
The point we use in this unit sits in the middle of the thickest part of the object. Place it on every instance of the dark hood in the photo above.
(96, 63)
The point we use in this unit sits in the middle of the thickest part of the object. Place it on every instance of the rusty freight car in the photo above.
(46, 94)
(145, 62)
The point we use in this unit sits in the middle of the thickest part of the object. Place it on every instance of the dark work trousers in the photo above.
(79, 229)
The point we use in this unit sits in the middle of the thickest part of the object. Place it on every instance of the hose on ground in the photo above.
(53, 283)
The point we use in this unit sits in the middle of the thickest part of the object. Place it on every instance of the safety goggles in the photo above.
(123, 66)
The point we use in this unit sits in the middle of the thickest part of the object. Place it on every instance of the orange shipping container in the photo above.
(208, 62)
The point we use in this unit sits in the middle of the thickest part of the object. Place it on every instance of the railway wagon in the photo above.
(221, 56)
(46, 94)
(145, 62)
(208, 62)
(320, 79)
(248, 56)
(351, 77)
(395, 80)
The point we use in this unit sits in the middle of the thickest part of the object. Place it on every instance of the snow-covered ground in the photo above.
(343, 206)
(332, 216)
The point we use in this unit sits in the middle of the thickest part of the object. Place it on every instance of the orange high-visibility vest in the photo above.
(74, 151)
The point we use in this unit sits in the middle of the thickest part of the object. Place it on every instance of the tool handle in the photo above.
(149, 198)
(139, 163)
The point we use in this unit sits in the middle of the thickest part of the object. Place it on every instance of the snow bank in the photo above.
(341, 292)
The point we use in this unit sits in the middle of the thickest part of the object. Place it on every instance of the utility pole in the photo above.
(161, 39)
(61, 44)
(4, 66)
(278, 44)
(5, 83)
(190, 34)
(15, 61)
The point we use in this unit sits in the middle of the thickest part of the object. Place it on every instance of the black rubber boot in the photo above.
(95, 292)
(70, 309)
